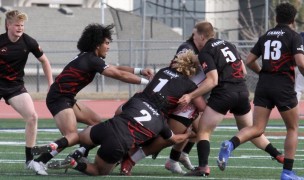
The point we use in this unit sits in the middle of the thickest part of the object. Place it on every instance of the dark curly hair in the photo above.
(285, 13)
(93, 35)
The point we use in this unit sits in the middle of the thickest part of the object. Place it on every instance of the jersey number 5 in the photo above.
(228, 54)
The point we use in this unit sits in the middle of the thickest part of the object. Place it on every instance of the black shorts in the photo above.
(185, 121)
(283, 99)
(185, 115)
(8, 92)
(236, 102)
(111, 150)
(55, 105)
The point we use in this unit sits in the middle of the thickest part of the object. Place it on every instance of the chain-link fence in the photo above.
(134, 53)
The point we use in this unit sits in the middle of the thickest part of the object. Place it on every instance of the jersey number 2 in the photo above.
(146, 116)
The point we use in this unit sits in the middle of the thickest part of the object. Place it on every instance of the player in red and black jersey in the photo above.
(281, 49)
(225, 72)
(93, 45)
(183, 117)
(179, 120)
(15, 47)
(142, 118)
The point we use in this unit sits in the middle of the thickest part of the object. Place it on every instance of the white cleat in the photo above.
(174, 167)
(38, 167)
(185, 161)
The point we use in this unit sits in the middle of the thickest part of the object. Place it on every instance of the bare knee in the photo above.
(257, 132)
(32, 119)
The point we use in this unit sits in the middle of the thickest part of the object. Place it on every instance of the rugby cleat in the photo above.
(68, 162)
(37, 150)
(174, 167)
(185, 161)
(126, 166)
(225, 151)
(38, 167)
(199, 171)
(279, 158)
(290, 175)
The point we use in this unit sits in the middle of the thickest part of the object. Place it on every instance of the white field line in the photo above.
(17, 130)
(137, 177)
(10, 161)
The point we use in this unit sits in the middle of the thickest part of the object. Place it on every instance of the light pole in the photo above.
(266, 14)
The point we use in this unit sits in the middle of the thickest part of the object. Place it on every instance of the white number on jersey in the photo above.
(146, 116)
(161, 84)
(230, 57)
(272, 50)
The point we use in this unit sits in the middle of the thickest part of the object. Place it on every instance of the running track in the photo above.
(105, 108)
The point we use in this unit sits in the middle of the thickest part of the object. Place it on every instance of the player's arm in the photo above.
(178, 138)
(207, 85)
(299, 58)
(252, 63)
(244, 68)
(149, 73)
(46, 66)
(125, 76)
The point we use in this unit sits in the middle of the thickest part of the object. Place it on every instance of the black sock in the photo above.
(28, 154)
(45, 157)
(88, 148)
(272, 150)
(62, 143)
(235, 141)
(288, 164)
(203, 151)
(174, 154)
(188, 147)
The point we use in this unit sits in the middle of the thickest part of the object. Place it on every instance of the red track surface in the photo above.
(105, 108)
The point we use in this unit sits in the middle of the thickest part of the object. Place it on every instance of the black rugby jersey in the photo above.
(77, 74)
(277, 48)
(144, 112)
(13, 57)
(141, 120)
(166, 88)
(223, 56)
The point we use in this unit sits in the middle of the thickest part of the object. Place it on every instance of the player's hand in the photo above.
(184, 100)
(149, 73)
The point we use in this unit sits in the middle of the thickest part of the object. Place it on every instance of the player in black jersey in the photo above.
(93, 45)
(142, 118)
(184, 117)
(281, 49)
(225, 79)
(179, 120)
(15, 46)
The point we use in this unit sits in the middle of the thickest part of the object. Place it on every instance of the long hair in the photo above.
(93, 35)
(185, 62)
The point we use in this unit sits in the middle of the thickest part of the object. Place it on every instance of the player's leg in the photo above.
(24, 105)
(261, 142)
(291, 119)
(86, 115)
(207, 123)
